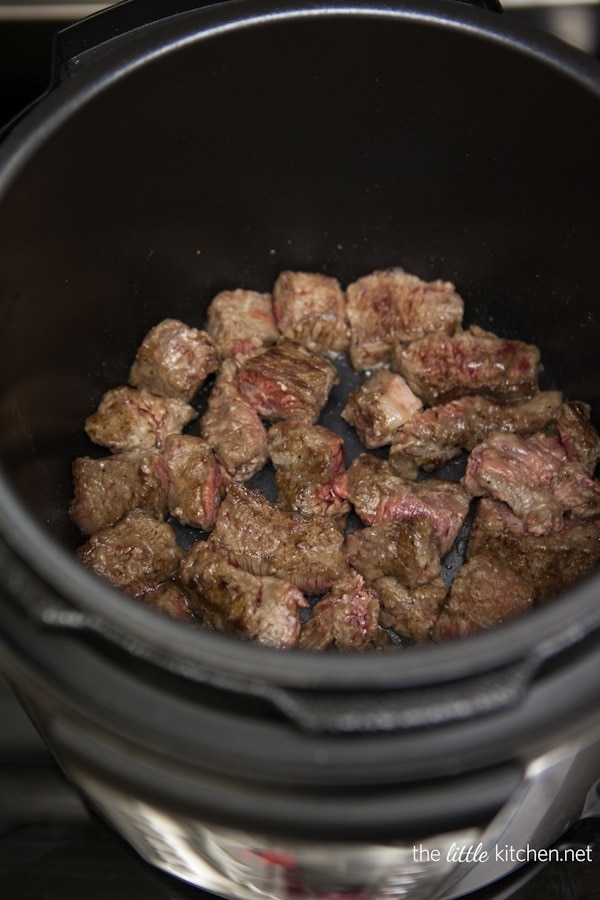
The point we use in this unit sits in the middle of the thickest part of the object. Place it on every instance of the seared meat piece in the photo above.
(578, 436)
(108, 488)
(174, 360)
(309, 450)
(534, 476)
(439, 368)
(130, 419)
(229, 599)
(391, 305)
(310, 308)
(197, 480)
(241, 322)
(380, 406)
(345, 619)
(380, 496)
(406, 549)
(299, 495)
(484, 593)
(436, 435)
(550, 563)
(260, 538)
(136, 555)
(287, 381)
(233, 428)
(411, 612)
(170, 599)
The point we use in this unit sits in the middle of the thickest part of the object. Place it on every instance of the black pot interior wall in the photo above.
(339, 146)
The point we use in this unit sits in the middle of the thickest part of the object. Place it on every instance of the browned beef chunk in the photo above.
(437, 434)
(229, 599)
(300, 496)
(347, 618)
(310, 308)
(174, 360)
(130, 419)
(578, 436)
(260, 538)
(534, 476)
(309, 450)
(380, 406)
(406, 549)
(391, 305)
(287, 381)
(411, 612)
(380, 496)
(197, 480)
(484, 594)
(233, 428)
(108, 488)
(550, 563)
(241, 322)
(136, 555)
(170, 599)
(439, 368)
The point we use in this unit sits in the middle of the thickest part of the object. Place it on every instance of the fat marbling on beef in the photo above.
(310, 308)
(174, 360)
(391, 305)
(233, 600)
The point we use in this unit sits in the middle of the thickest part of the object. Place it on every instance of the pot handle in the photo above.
(82, 41)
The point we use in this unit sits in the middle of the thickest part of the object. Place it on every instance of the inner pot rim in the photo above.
(555, 626)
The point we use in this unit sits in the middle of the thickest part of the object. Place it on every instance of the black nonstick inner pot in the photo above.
(211, 150)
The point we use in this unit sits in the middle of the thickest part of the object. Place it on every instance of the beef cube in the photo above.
(550, 563)
(391, 305)
(233, 428)
(287, 381)
(241, 322)
(106, 489)
(264, 609)
(379, 407)
(130, 419)
(312, 451)
(135, 555)
(170, 599)
(174, 360)
(262, 539)
(310, 308)
(484, 594)
(578, 436)
(534, 476)
(345, 619)
(300, 496)
(440, 433)
(439, 368)
(405, 549)
(410, 612)
(378, 495)
(197, 480)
